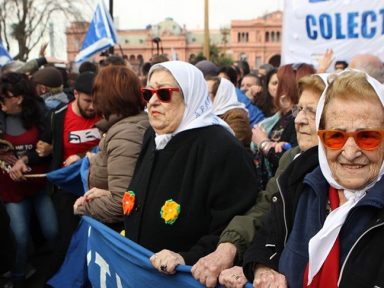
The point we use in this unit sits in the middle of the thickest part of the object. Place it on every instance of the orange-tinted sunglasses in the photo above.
(365, 139)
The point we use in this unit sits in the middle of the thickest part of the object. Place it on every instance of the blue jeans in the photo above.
(20, 214)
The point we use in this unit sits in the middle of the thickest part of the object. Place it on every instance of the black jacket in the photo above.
(207, 172)
(57, 123)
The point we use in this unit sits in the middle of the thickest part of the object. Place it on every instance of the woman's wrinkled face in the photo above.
(351, 166)
(165, 117)
(305, 123)
(272, 85)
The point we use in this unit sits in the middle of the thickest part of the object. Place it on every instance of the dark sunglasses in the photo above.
(365, 139)
(164, 94)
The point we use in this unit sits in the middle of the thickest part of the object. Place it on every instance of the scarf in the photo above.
(321, 244)
(198, 106)
(226, 98)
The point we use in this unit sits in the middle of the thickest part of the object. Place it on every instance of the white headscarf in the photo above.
(321, 244)
(198, 107)
(226, 98)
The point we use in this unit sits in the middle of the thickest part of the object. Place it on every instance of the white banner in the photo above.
(349, 27)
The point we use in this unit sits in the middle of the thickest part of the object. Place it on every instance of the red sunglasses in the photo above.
(365, 139)
(163, 94)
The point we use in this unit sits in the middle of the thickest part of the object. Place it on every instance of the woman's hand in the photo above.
(233, 277)
(18, 169)
(259, 134)
(71, 159)
(208, 268)
(78, 207)
(166, 261)
(279, 146)
(96, 193)
(266, 277)
(90, 154)
(9, 158)
(43, 149)
(325, 61)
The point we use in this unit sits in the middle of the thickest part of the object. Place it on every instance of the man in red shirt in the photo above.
(74, 135)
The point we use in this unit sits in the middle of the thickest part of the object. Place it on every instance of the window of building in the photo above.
(278, 36)
(267, 36)
(273, 36)
(238, 37)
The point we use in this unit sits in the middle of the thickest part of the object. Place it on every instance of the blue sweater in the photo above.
(255, 114)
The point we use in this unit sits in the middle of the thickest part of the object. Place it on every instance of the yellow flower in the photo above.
(170, 211)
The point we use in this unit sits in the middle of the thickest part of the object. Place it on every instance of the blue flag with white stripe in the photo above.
(101, 34)
(5, 58)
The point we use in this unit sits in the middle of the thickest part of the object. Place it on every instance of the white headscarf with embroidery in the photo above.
(321, 244)
(198, 107)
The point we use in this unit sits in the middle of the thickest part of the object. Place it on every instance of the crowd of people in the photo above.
(271, 176)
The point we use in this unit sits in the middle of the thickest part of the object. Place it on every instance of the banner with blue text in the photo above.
(349, 27)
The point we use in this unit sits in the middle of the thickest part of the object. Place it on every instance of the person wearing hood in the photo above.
(225, 105)
(192, 175)
(325, 227)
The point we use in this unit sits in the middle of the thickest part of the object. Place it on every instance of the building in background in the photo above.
(258, 41)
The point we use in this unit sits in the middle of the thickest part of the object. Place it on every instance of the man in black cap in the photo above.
(74, 134)
(49, 86)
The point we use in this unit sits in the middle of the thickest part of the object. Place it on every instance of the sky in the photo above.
(139, 13)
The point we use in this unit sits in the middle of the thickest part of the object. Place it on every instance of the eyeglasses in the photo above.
(308, 111)
(365, 139)
(164, 94)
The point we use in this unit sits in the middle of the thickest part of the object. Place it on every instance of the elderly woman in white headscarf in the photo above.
(225, 105)
(326, 227)
(192, 175)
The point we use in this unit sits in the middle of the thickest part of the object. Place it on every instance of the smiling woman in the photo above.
(332, 215)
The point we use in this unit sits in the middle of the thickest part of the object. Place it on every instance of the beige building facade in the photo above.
(258, 40)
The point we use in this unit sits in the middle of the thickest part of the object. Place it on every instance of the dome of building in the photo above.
(167, 27)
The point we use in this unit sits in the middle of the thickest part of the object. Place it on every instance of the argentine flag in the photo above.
(101, 34)
(5, 58)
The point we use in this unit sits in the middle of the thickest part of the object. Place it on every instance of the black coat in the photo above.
(207, 172)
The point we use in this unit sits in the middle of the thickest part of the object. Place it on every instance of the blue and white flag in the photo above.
(5, 58)
(101, 257)
(100, 36)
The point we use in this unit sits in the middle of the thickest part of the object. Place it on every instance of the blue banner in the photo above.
(72, 178)
(100, 256)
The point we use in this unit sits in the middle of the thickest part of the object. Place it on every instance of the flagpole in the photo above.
(206, 30)
(112, 48)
